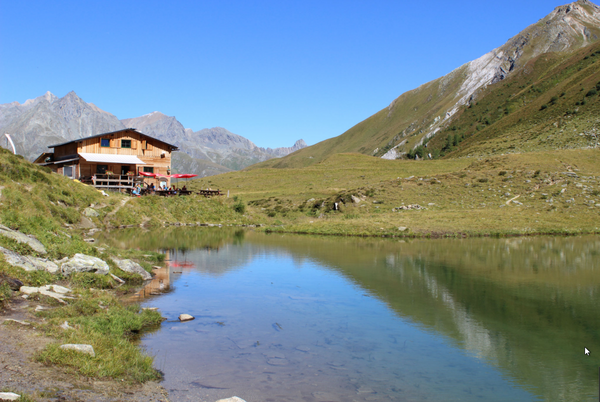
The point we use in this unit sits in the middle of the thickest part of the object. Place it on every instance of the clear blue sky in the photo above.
(271, 71)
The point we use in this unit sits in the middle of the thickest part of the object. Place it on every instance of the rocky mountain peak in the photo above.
(568, 27)
(48, 97)
(300, 144)
(578, 7)
(71, 97)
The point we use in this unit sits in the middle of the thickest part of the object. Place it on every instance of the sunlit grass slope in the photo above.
(38, 202)
(552, 103)
(551, 192)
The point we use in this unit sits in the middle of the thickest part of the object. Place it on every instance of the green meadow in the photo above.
(516, 194)
(545, 192)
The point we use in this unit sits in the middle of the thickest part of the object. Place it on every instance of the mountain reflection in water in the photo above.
(525, 306)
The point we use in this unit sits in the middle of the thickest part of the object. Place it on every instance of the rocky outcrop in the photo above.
(132, 267)
(28, 263)
(84, 263)
(566, 28)
(31, 241)
(55, 291)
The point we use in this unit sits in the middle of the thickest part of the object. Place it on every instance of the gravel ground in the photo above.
(20, 373)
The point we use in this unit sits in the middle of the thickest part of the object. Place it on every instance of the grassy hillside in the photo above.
(405, 119)
(56, 211)
(551, 192)
(37, 202)
(540, 102)
(553, 103)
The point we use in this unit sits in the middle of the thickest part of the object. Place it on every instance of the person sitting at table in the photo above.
(183, 188)
(137, 190)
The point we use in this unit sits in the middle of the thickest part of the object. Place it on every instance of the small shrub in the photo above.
(483, 180)
(592, 92)
(92, 280)
(239, 207)
(502, 173)
(5, 294)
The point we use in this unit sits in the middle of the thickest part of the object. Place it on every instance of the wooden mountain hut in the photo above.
(111, 160)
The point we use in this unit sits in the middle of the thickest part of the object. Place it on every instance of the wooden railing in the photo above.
(117, 182)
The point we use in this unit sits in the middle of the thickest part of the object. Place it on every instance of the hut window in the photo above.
(148, 169)
(68, 171)
(125, 143)
(105, 142)
(101, 169)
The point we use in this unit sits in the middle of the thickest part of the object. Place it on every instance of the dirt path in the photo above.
(19, 372)
(112, 213)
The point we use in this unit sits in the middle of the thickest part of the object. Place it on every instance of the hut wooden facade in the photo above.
(111, 160)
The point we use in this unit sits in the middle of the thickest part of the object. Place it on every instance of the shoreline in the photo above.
(418, 234)
(21, 309)
(23, 338)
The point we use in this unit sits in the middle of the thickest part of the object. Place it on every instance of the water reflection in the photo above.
(526, 306)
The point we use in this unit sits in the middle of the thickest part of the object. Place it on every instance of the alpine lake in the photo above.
(315, 319)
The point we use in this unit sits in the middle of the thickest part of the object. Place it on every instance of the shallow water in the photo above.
(298, 318)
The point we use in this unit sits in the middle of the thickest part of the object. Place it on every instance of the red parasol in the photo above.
(147, 174)
(183, 175)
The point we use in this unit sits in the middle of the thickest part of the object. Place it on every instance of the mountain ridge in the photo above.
(48, 119)
(418, 115)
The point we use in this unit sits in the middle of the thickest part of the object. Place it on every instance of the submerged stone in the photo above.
(185, 317)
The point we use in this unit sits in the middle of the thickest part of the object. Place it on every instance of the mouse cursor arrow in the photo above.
(586, 351)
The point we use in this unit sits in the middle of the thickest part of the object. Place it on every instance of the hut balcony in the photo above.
(113, 182)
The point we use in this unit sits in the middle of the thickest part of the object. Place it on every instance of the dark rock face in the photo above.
(13, 283)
